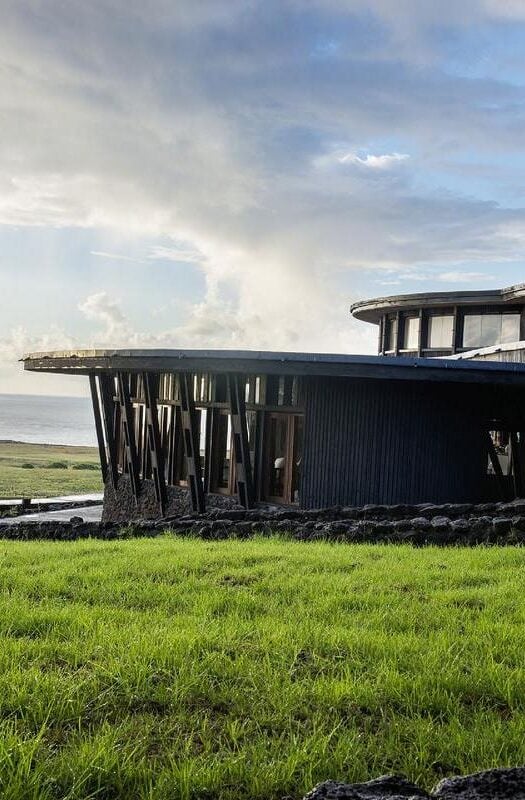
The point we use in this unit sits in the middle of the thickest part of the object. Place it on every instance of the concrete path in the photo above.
(88, 514)
(63, 498)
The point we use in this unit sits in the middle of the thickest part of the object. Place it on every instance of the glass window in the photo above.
(277, 454)
(440, 330)
(390, 334)
(222, 447)
(297, 458)
(411, 333)
(484, 330)
(510, 328)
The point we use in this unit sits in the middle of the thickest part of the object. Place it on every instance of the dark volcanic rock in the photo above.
(501, 525)
(492, 784)
(388, 787)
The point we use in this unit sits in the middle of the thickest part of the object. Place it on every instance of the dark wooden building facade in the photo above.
(181, 429)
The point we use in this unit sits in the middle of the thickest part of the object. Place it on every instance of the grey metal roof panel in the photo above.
(83, 362)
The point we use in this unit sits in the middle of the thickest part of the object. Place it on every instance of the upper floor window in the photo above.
(411, 333)
(484, 330)
(440, 330)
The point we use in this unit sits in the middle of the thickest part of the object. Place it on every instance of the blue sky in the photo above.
(235, 174)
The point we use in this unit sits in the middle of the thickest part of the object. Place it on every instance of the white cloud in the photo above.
(384, 161)
(202, 124)
(18, 341)
(105, 310)
(182, 252)
(115, 256)
(465, 277)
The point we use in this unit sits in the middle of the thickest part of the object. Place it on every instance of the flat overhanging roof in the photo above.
(373, 309)
(85, 362)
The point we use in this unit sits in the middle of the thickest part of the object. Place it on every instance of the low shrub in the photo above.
(56, 465)
(85, 465)
(27, 465)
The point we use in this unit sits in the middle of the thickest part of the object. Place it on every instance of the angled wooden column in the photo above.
(190, 434)
(106, 387)
(241, 448)
(130, 445)
(153, 439)
(98, 426)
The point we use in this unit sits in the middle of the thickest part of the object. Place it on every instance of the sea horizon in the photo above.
(47, 419)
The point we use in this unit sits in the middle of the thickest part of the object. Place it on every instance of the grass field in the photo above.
(177, 668)
(44, 470)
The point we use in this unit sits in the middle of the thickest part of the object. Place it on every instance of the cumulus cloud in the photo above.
(222, 129)
(106, 311)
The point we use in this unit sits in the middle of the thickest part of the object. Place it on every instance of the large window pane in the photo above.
(510, 328)
(485, 330)
(411, 333)
(440, 330)
(472, 330)
(278, 453)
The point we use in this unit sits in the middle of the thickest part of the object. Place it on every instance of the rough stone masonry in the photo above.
(494, 784)
(450, 524)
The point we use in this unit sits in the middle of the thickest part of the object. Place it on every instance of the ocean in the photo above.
(47, 420)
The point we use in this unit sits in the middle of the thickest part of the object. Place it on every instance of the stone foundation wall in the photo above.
(120, 507)
(489, 523)
(498, 523)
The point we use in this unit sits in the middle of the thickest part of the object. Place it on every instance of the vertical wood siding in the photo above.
(392, 442)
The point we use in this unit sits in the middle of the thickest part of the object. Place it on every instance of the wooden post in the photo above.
(130, 445)
(191, 442)
(156, 455)
(98, 426)
(106, 386)
(241, 446)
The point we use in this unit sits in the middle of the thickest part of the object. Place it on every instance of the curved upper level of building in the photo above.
(445, 323)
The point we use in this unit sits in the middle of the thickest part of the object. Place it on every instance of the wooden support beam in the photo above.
(156, 456)
(98, 426)
(106, 387)
(130, 445)
(241, 448)
(191, 437)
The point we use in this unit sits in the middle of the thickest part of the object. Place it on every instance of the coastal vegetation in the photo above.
(179, 668)
(45, 470)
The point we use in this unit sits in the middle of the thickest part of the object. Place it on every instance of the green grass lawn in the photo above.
(178, 668)
(44, 470)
